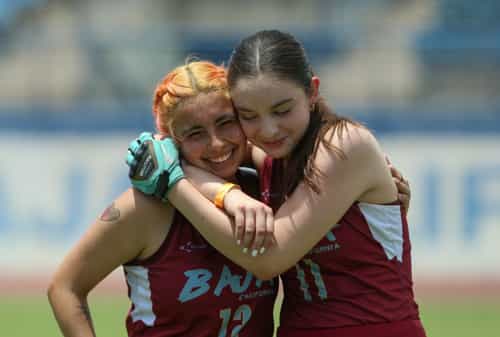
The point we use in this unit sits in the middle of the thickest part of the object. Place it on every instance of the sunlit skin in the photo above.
(274, 113)
(209, 135)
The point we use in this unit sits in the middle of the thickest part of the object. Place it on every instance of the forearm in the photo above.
(213, 224)
(297, 228)
(218, 229)
(205, 182)
(71, 312)
(208, 188)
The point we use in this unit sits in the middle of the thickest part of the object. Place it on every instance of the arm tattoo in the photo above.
(84, 307)
(86, 312)
(110, 214)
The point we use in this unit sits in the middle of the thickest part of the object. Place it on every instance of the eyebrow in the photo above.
(188, 130)
(274, 106)
(225, 116)
(199, 127)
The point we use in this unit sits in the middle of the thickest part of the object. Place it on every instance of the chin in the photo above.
(277, 153)
(226, 173)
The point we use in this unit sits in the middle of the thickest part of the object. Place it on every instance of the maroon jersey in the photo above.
(356, 281)
(187, 288)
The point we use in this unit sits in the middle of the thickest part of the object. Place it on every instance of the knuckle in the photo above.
(250, 226)
(249, 230)
(260, 233)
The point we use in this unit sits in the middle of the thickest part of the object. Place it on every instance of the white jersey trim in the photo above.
(140, 295)
(385, 223)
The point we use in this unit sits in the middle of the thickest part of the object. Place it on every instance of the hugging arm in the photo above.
(253, 221)
(306, 216)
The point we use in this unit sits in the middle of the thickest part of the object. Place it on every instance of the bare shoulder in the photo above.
(133, 204)
(136, 212)
(350, 143)
(362, 159)
(139, 219)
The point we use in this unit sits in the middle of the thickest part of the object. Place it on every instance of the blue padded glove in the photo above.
(154, 165)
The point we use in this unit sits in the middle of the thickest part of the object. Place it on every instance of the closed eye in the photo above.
(193, 135)
(281, 112)
(247, 117)
(227, 121)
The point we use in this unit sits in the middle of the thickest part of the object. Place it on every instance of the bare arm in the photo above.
(306, 216)
(119, 235)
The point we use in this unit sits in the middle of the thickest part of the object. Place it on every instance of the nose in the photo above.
(216, 140)
(268, 128)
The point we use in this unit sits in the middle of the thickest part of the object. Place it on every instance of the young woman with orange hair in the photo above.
(178, 284)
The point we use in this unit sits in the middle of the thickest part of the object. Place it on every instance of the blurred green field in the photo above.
(29, 316)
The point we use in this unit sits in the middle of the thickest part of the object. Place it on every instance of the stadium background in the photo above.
(76, 79)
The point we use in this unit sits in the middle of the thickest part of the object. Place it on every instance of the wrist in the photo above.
(222, 193)
(174, 188)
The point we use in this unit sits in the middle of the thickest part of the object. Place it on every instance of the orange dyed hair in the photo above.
(182, 83)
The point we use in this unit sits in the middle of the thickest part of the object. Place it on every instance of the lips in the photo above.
(274, 143)
(220, 159)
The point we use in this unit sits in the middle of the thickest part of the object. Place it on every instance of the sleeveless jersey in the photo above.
(356, 281)
(187, 288)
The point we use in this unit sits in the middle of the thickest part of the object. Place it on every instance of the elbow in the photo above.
(58, 290)
(265, 276)
(51, 291)
(266, 273)
(265, 267)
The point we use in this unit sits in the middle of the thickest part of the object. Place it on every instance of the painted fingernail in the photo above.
(262, 250)
(238, 242)
(245, 250)
(254, 252)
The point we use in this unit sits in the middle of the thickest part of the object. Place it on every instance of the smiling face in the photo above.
(273, 113)
(209, 134)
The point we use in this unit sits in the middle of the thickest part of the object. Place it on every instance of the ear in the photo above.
(314, 89)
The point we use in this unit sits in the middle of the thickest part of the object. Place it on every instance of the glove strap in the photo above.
(162, 186)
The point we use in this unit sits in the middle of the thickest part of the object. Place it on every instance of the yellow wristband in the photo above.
(221, 193)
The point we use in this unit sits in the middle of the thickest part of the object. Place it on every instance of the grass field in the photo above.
(30, 316)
